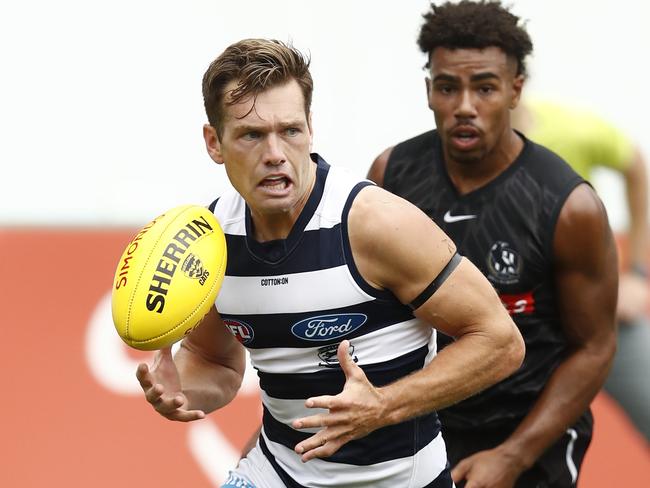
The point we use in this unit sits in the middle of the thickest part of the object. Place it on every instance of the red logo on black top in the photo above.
(520, 303)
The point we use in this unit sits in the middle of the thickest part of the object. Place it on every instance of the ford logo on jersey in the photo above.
(327, 327)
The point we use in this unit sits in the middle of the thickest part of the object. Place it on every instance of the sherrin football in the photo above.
(168, 277)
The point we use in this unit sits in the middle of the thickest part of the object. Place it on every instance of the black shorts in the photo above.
(558, 467)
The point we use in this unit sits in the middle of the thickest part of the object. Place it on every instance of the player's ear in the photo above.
(212, 143)
(517, 88)
(311, 132)
(429, 85)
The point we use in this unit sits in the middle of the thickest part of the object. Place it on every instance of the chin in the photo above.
(467, 157)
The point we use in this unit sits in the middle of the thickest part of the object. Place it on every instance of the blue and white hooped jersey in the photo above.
(291, 302)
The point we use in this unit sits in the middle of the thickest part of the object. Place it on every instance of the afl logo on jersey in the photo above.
(241, 330)
(328, 327)
(504, 263)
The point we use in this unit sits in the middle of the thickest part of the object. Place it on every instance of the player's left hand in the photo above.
(488, 469)
(353, 413)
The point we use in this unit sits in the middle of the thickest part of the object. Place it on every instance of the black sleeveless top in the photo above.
(506, 229)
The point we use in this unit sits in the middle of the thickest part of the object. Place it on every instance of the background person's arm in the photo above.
(633, 287)
(586, 281)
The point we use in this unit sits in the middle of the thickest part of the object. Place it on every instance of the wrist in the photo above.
(517, 455)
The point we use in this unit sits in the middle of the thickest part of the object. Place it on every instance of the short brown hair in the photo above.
(257, 65)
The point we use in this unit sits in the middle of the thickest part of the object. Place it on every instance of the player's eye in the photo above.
(445, 89)
(252, 135)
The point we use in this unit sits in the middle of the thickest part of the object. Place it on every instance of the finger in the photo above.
(323, 401)
(348, 365)
(322, 444)
(185, 415)
(460, 471)
(143, 376)
(320, 420)
(154, 394)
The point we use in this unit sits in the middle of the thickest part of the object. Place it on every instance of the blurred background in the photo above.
(100, 121)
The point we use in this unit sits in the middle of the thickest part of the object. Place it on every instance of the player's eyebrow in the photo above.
(455, 79)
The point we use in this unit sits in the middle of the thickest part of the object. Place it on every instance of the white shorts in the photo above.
(254, 471)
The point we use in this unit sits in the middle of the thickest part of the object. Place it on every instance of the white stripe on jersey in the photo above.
(286, 411)
(409, 472)
(245, 294)
(370, 348)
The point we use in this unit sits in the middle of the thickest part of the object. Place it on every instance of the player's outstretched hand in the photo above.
(162, 388)
(353, 413)
(488, 469)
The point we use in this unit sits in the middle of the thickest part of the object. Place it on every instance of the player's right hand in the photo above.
(162, 388)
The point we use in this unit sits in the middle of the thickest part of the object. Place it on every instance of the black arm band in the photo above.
(438, 280)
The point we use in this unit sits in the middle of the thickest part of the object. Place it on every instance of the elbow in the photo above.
(514, 350)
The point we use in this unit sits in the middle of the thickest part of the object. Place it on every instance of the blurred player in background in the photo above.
(334, 286)
(536, 230)
(587, 141)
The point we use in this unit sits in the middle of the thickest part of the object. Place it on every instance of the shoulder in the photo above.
(230, 211)
(414, 145)
(394, 244)
(378, 167)
(582, 230)
(548, 169)
(422, 142)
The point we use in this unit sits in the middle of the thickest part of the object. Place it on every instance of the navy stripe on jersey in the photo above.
(319, 249)
(443, 480)
(275, 330)
(363, 284)
(286, 479)
(391, 442)
(213, 205)
(332, 381)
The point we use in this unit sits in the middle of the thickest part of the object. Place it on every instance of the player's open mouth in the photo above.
(275, 184)
(465, 138)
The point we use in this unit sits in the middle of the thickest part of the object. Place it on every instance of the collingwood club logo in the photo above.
(504, 263)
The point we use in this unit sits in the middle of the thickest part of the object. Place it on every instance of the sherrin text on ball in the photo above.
(168, 277)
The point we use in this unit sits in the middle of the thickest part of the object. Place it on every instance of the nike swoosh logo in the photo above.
(450, 219)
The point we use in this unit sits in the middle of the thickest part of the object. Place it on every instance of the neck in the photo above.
(276, 225)
(470, 175)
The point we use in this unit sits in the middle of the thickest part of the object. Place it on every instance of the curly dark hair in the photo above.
(475, 25)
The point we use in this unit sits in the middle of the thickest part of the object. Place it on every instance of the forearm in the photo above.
(568, 393)
(636, 185)
(206, 384)
(465, 367)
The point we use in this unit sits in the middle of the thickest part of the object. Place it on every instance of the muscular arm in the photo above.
(397, 247)
(586, 281)
(403, 251)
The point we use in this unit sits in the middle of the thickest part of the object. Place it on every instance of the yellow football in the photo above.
(168, 277)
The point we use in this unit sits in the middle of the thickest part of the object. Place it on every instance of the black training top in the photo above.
(506, 229)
